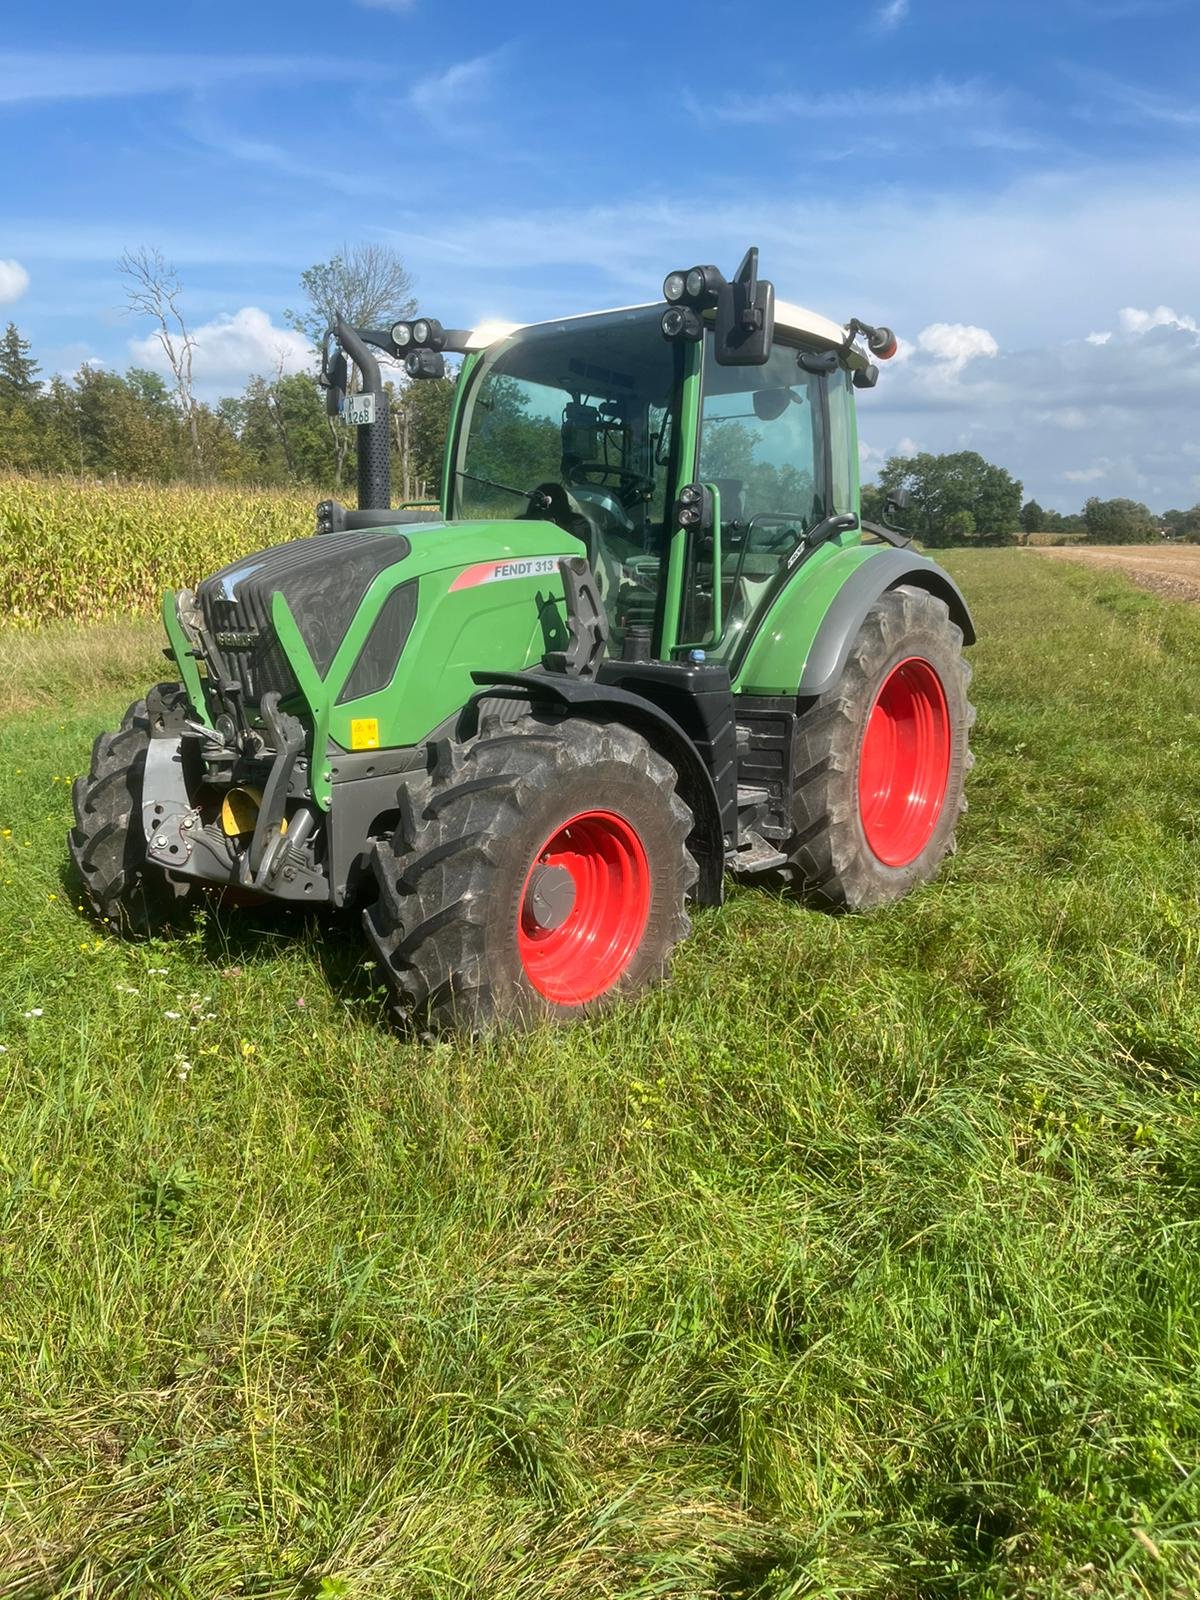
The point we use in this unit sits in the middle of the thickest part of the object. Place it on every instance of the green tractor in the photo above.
(645, 640)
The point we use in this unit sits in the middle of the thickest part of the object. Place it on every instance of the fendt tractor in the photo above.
(646, 639)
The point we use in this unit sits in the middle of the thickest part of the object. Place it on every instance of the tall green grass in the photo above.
(861, 1261)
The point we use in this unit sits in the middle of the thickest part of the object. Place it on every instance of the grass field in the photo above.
(862, 1261)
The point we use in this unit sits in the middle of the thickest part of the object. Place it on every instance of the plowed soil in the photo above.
(1171, 570)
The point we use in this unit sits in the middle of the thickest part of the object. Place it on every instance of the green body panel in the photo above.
(778, 652)
(503, 625)
(677, 550)
(189, 672)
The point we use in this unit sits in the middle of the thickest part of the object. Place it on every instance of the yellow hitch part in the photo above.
(239, 812)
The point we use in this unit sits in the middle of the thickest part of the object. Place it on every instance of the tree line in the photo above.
(141, 425)
(961, 498)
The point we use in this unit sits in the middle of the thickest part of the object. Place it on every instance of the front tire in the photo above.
(123, 888)
(539, 871)
(882, 759)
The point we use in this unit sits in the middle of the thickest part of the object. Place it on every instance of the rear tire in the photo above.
(882, 758)
(123, 888)
(539, 871)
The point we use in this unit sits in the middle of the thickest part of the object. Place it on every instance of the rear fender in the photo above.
(827, 657)
(661, 731)
(790, 654)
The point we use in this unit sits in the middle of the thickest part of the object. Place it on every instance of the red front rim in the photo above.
(588, 952)
(905, 763)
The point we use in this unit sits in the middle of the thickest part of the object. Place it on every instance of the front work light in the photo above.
(696, 287)
(681, 322)
(426, 333)
(702, 286)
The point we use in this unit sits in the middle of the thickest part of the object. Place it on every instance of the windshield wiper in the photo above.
(536, 497)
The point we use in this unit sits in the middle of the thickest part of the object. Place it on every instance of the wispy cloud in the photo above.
(449, 100)
(939, 97)
(1115, 99)
(14, 281)
(28, 76)
(275, 158)
(890, 15)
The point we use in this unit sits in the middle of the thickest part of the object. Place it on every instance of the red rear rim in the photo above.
(600, 881)
(905, 763)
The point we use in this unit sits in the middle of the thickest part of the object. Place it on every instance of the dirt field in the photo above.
(1170, 570)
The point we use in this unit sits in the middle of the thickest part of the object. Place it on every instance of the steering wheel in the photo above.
(634, 487)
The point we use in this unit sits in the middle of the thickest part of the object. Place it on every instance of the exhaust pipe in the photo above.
(374, 444)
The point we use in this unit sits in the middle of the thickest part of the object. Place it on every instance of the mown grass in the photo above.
(860, 1261)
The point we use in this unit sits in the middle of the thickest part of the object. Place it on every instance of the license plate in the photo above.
(360, 408)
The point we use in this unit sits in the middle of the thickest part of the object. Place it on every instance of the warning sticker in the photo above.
(502, 571)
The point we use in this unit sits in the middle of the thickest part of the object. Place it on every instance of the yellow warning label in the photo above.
(364, 733)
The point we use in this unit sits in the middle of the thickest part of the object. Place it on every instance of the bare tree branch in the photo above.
(154, 290)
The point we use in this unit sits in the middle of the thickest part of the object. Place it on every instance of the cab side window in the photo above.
(762, 444)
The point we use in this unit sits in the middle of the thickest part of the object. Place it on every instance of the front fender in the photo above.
(802, 646)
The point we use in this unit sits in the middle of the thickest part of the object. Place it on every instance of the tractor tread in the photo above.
(123, 890)
(829, 864)
(429, 924)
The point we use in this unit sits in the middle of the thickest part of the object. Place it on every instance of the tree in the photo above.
(960, 527)
(942, 488)
(421, 420)
(1118, 522)
(1033, 518)
(367, 285)
(1182, 524)
(154, 290)
(18, 371)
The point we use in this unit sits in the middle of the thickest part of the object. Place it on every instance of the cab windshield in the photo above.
(582, 414)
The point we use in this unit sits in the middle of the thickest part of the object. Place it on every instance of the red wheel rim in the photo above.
(586, 953)
(905, 762)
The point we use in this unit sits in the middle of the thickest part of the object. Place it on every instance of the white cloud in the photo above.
(14, 281)
(229, 349)
(1098, 338)
(891, 15)
(956, 343)
(1134, 321)
(1092, 474)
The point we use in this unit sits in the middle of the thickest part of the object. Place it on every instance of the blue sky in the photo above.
(1012, 185)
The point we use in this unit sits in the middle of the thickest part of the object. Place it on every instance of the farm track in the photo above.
(1171, 572)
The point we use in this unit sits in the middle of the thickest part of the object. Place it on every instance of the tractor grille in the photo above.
(241, 630)
(322, 579)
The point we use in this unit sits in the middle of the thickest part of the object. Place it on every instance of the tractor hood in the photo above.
(323, 621)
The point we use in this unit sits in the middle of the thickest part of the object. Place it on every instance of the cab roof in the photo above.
(809, 325)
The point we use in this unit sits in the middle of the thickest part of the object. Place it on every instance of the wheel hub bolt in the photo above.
(550, 897)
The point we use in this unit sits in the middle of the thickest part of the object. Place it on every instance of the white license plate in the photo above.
(360, 408)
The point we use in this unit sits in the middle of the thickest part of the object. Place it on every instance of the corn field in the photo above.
(90, 551)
